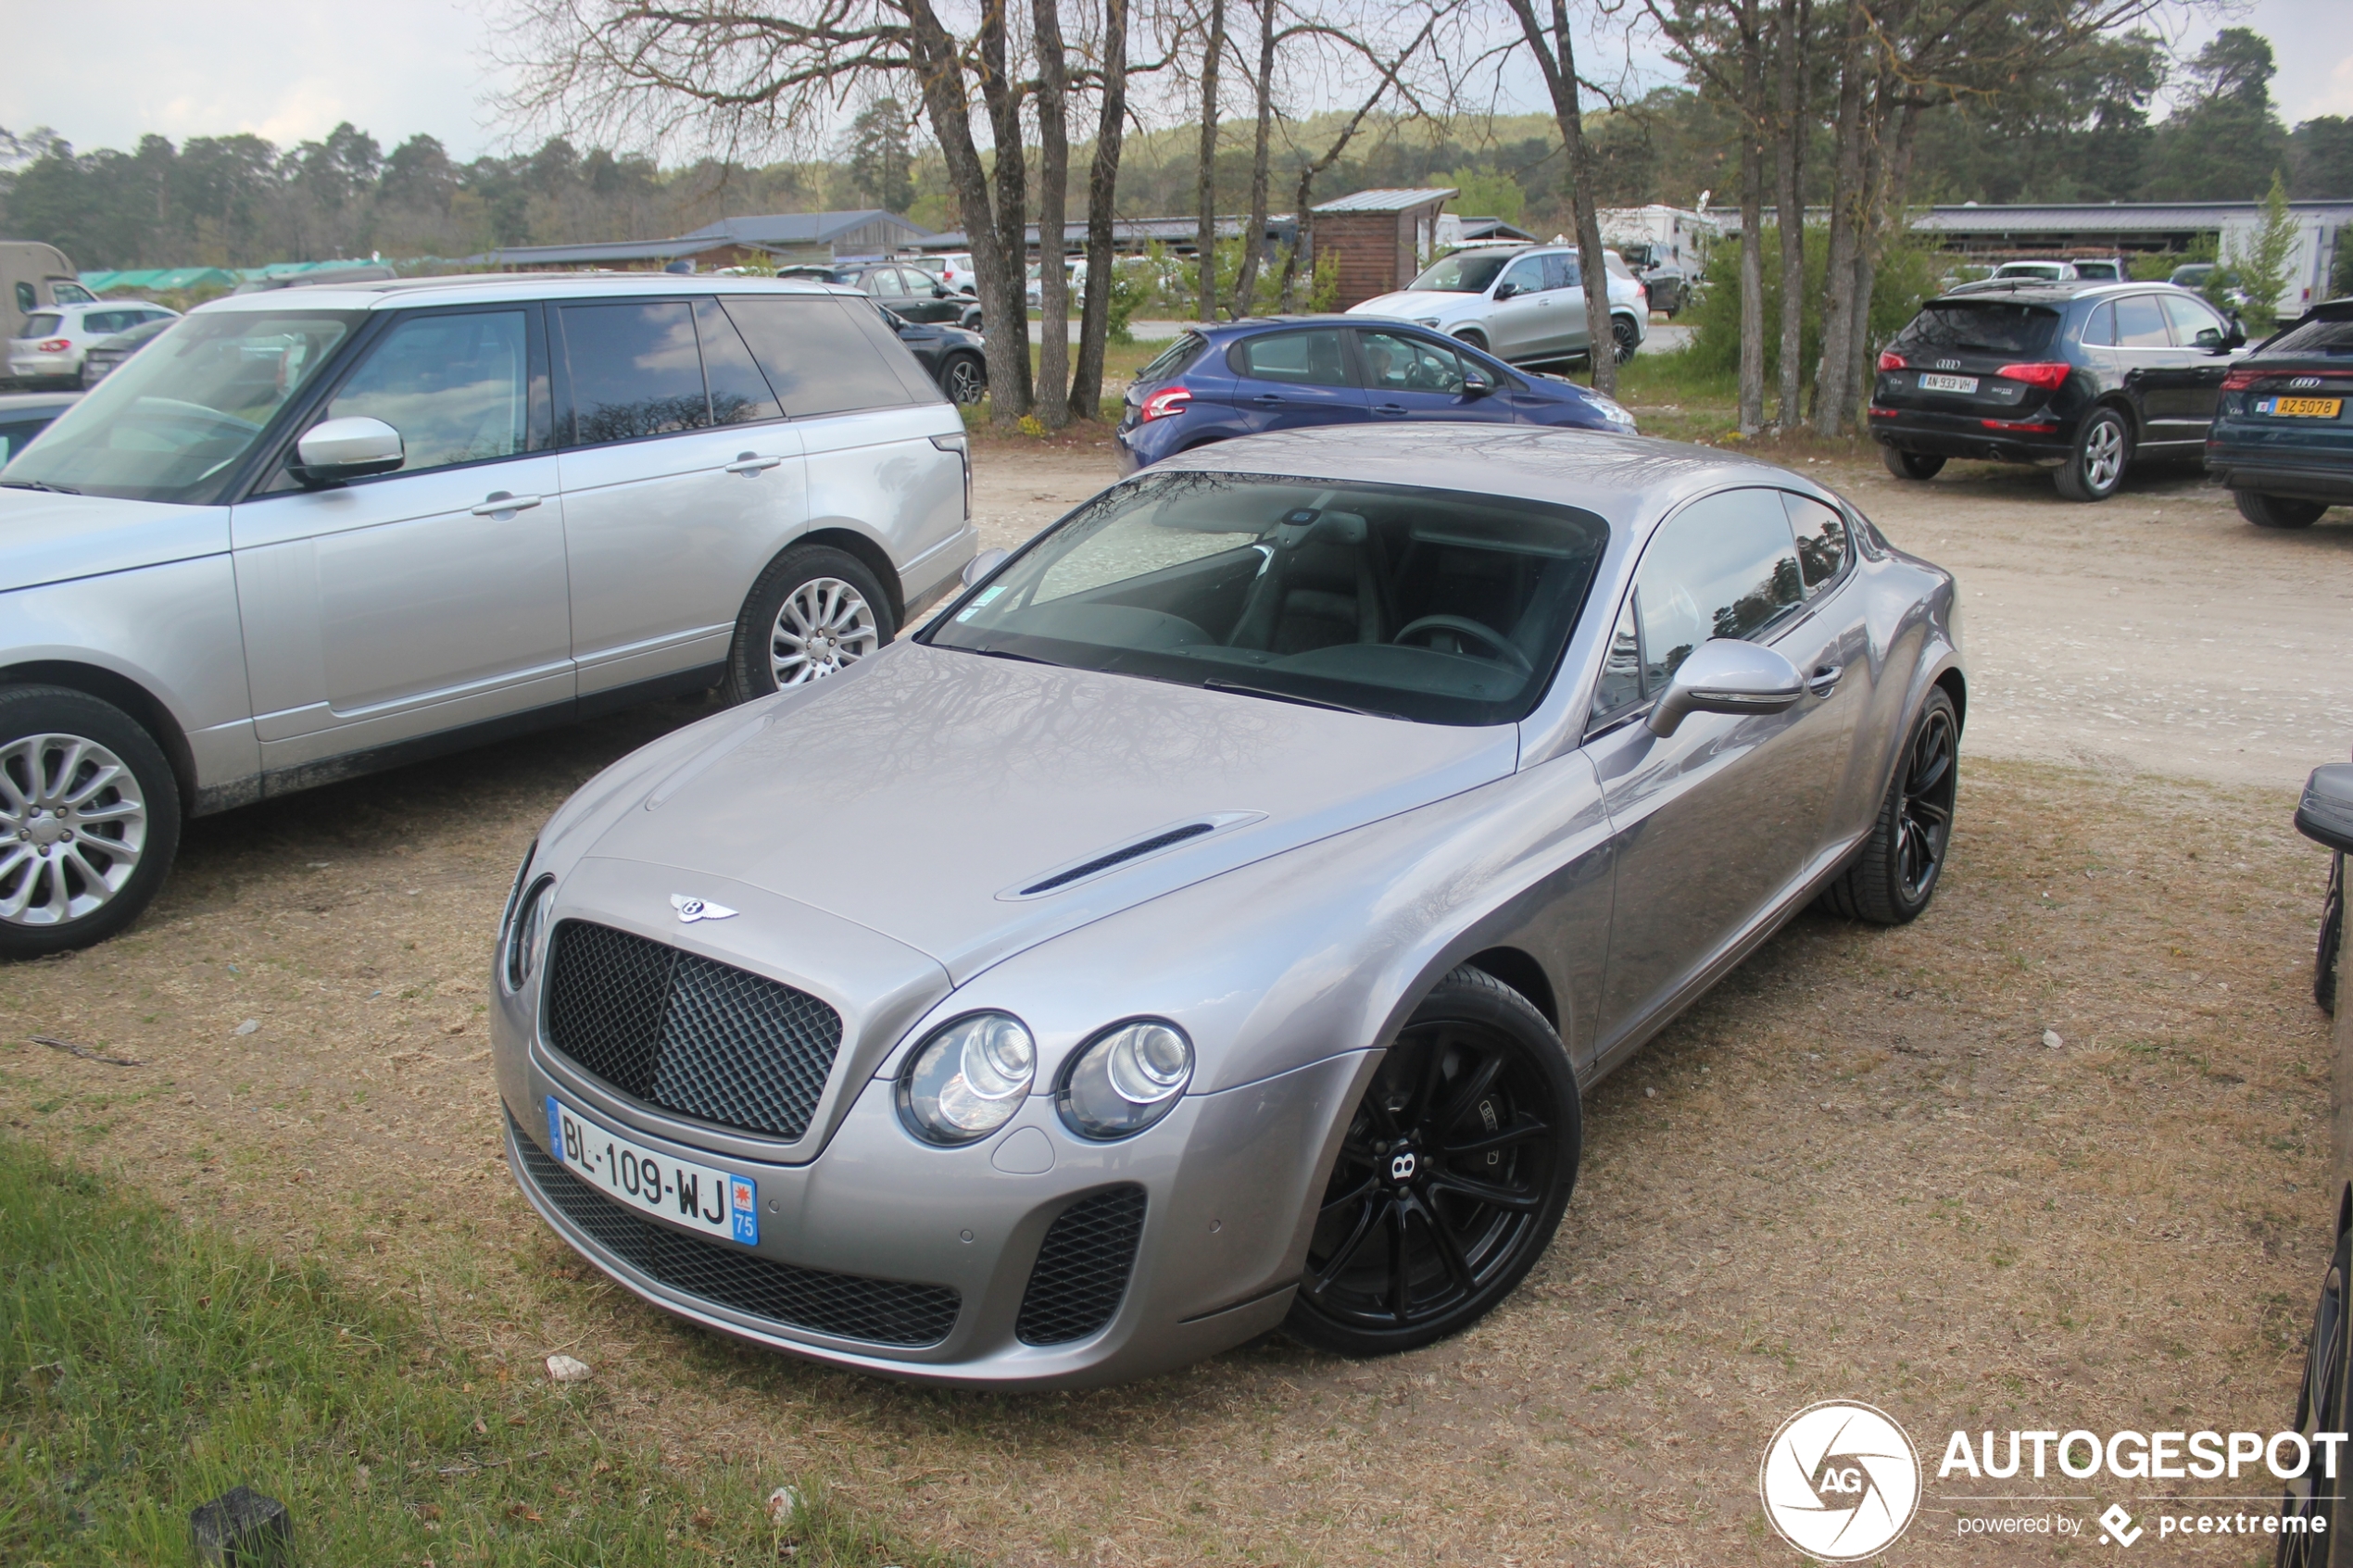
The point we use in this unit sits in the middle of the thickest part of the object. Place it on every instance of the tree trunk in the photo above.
(1053, 187)
(1254, 228)
(1557, 58)
(1789, 207)
(1752, 134)
(1205, 204)
(1102, 186)
(1010, 318)
(939, 69)
(1832, 398)
(1891, 173)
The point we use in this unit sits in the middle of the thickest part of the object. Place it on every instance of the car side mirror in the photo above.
(1505, 291)
(938, 291)
(982, 565)
(336, 450)
(2325, 814)
(1723, 675)
(2236, 337)
(1475, 383)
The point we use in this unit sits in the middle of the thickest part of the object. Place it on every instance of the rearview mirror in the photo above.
(1475, 383)
(336, 450)
(2325, 814)
(938, 291)
(982, 565)
(1723, 675)
(1505, 291)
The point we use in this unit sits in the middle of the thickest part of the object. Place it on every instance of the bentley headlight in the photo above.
(968, 1078)
(1126, 1079)
(527, 934)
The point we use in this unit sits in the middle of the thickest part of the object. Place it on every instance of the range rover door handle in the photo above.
(752, 463)
(500, 501)
(1825, 679)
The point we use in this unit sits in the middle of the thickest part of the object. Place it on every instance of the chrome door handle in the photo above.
(752, 463)
(1824, 680)
(501, 501)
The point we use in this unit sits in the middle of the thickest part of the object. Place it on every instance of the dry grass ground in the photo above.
(1855, 1171)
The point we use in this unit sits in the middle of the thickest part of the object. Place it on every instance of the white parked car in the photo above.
(1524, 304)
(955, 269)
(57, 337)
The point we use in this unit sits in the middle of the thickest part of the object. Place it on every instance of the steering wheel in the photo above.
(1462, 625)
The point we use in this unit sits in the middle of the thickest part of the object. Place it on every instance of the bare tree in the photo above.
(1053, 184)
(1254, 226)
(1550, 42)
(1205, 236)
(1102, 184)
(1795, 128)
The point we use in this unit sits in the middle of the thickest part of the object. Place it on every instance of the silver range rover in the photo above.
(294, 540)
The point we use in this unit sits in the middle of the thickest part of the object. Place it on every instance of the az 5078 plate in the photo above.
(719, 1203)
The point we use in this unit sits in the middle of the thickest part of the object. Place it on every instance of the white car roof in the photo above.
(478, 288)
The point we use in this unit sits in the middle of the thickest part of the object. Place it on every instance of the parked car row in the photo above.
(1523, 304)
(57, 339)
(905, 290)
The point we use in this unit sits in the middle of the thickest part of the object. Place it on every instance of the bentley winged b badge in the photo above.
(692, 909)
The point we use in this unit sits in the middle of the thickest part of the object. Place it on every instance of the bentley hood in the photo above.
(971, 807)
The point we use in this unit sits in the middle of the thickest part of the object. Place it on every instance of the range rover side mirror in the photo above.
(2325, 814)
(336, 450)
(1722, 676)
(982, 565)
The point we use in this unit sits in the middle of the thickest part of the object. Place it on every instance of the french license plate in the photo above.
(718, 1202)
(2300, 408)
(1931, 381)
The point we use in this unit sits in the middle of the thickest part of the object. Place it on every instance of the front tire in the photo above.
(1892, 881)
(1451, 1178)
(89, 820)
(965, 379)
(1911, 464)
(1476, 339)
(2277, 512)
(2094, 469)
(815, 611)
(1626, 337)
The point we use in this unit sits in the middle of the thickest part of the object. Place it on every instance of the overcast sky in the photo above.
(290, 71)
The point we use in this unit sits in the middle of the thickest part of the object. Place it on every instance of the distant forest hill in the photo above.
(2082, 133)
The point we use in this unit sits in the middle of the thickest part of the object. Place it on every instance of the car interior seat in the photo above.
(1321, 586)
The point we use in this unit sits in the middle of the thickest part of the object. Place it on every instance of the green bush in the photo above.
(1908, 274)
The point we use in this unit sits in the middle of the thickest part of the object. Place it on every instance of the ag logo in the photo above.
(1841, 1481)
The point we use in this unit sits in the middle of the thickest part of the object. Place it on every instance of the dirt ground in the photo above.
(1855, 1171)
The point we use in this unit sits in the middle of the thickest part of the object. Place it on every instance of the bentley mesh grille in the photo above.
(1082, 1268)
(880, 1311)
(689, 1035)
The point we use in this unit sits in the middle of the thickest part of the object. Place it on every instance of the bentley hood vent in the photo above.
(1110, 859)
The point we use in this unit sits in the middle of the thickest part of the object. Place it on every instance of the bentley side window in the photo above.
(1621, 682)
(1725, 566)
(1821, 540)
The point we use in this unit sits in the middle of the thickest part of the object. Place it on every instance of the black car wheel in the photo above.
(2321, 1406)
(1626, 336)
(1896, 876)
(1911, 464)
(89, 820)
(1475, 338)
(1451, 1177)
(2331, 948)
(972, 319)
(2277, 512)
(964, 378)
(2095, 467)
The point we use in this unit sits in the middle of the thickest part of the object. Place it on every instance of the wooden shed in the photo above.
(1382, 238)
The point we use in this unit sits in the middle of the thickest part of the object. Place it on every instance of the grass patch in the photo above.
(148, 1365)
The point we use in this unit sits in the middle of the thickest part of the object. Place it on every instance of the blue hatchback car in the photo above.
(1225, 379)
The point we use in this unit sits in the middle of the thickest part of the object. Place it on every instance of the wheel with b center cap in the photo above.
(1896, 872)
(815, 611)
(89, 820)
(1451, 1176)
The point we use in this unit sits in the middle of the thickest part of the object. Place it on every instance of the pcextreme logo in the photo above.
(1841, 1481)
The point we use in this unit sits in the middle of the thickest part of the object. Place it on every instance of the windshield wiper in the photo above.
(1245, 689)
(998, 653)
(39, 484)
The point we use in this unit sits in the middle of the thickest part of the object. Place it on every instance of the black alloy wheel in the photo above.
(2277, 512)
(1911, 464)
(1894, 878)
(1473, 336)
(2326, 955)
(1451, 1177)
(965, 379)
(2321, 1406)
(1626, 335)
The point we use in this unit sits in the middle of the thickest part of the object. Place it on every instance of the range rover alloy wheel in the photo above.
(815, 611)
(89, 820)
(1451, 1177)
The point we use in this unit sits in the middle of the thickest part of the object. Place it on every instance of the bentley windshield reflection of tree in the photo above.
(1418, 604)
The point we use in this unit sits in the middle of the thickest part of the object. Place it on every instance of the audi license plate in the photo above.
(718, 1202)
(1929, 382)
(2300, 408)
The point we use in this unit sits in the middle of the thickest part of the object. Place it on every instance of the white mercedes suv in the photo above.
(1524, 304)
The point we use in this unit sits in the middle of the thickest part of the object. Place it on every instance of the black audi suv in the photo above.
(2282, 436)
(2084, 378)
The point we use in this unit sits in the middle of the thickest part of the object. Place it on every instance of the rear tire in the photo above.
(2277, 512)
(1476, 339)
(816, 610)
(1626, 336)
(965, 379)
(1894, 879)
(2094, 469)
(1911, 464)
(2326, 955)
(89, 820)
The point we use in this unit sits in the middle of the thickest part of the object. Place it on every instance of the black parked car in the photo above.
(2084, 377)
(950, 355)
(2282, 436)
(902, 288)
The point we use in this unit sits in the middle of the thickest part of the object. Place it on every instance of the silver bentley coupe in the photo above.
(1213, 920)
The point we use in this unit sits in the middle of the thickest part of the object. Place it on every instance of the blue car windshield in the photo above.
(1426, 605)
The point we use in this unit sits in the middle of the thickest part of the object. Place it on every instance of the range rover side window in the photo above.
(1725, 566)
(454, 386)
(815, 354)
(635, 371)
(739, 394)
